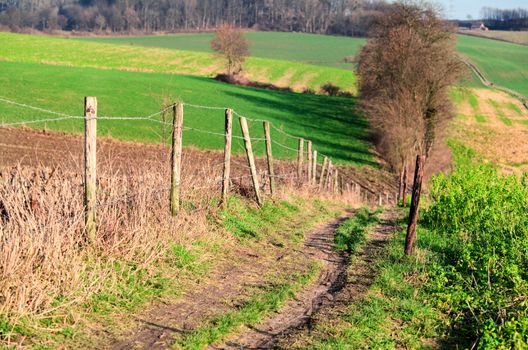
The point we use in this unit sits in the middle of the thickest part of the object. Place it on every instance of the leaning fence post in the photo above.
(269, 156)
(176, 156)
(90, 167)
(309, 165)
(250, 158)
(300, 157)
(227, 155)
(415, 203)
(329, 173)
(313, 180)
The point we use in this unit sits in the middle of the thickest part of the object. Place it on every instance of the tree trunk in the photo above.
(415, 203)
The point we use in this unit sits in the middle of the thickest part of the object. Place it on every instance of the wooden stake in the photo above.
(415, 203)
(269, 156)
(314, 169)
(404, 189)
(323, 170)
(90, 167)
(176, 156)
(336, 181)
(300, 158)
(329, 175)
(309, 165)
(250, 158)
(228, 132)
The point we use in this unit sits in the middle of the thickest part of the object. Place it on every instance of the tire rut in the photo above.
(339, 284)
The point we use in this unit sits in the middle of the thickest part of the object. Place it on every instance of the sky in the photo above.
(460, 9)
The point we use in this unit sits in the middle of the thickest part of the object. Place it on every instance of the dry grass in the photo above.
(51, 279)
(517, 37)
(495, 125)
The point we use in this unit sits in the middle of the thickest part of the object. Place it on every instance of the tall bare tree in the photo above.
(232, 44)
(405, 72)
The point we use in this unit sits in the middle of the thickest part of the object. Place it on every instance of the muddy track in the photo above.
(335, 289)
(319, 246)
(224, 291)
(360, 276)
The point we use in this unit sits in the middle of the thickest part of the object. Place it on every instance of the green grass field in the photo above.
(503, 63)
(330, 122)
(307, 48)
(77, 53)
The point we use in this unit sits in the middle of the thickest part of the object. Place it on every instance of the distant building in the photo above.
(483, 27)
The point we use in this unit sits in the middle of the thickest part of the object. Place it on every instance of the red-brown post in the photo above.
(227, 155)
(415, 204)
(404, 187)
(269, 157)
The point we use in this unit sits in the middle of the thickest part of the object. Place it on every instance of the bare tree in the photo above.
(232, 44)
(405, 72)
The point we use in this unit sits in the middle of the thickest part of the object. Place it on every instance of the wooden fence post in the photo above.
(176, 156)
(309, 165)
(336, 181)
(404, 189)
(251, 159)
(300, 158)
(90, 167)
(269, 156)
(415, 203)
(228, 136)
(329, 175)
(313, 180)
(323, 170)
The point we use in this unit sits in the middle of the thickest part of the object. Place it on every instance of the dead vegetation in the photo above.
(50, 278)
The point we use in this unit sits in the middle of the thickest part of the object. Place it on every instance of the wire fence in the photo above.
(211, 175)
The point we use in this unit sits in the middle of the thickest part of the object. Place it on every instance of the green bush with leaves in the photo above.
(484, 283)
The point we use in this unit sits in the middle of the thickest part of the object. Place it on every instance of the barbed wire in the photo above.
(64, 116)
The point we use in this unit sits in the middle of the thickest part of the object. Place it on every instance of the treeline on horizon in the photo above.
(339, 17)
(500, 19)
(342, 17)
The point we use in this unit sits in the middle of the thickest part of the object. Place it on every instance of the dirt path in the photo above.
(226, 289)
(360, 275)
(334, 290)
(318, 246)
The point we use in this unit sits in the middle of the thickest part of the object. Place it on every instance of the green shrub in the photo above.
(483, 214)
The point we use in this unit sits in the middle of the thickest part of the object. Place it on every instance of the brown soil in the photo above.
(229, 288)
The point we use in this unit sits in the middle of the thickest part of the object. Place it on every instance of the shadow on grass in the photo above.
(331, 123)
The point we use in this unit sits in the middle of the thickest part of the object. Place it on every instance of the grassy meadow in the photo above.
(503, 63)
(324, 50)
(517, 37)
(330, 122)
(134, 76)
(77, 53)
